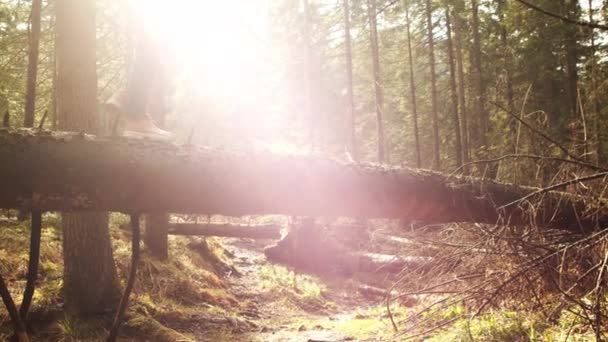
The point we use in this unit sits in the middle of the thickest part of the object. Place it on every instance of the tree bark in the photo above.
(76, 172)
(32, 64)
(481, 131)
(227, 230)
(453, 89)
(352, 142)
(309, 101)
(18, 324)
(32, 73)
(90, 281)
(458, 29)
(595, 93)
(379, 95)
(155, 237)
(412, 88)
(434, 114)
(509, 92)
(571, 46)
(157, 224)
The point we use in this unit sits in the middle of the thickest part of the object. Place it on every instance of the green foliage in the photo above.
(174, 291)
(304, 289)
(497, 326)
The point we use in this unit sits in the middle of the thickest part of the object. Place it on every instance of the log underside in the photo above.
(78, 172)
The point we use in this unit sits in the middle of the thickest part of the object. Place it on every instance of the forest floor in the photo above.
(213, 289)
(225, 289)
(287, 306)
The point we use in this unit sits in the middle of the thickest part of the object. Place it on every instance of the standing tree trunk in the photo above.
(579, 138)
(508, 72)
(352, 142)
(595, 94)
(157, 224)
(309, 101)
(89, 281)
(453, 89)
(53, 67)
(434, 115)
(571, 10)
(461, 83)
(32, 74)
(32, 64)
(412, 87)
(379, 98)
(481, 131)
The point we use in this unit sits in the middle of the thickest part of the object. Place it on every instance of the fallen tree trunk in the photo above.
(270, 231)
(76, 172)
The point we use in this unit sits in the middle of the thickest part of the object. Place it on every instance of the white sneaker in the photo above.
(137, 128)
(145, 128)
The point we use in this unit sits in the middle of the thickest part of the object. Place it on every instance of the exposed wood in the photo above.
(374, 292)
(270, 231)
(79, 172)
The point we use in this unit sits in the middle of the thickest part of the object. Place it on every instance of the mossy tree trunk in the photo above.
(59, 171)
(90, 280)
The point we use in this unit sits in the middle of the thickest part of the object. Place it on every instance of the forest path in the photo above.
(288, 306)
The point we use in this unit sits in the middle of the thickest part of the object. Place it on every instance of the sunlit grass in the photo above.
(74, 329)
(507, 326)
(170, 291)
(276, 277)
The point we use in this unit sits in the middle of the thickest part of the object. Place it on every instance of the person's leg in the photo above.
(138, 81)
(132, 102)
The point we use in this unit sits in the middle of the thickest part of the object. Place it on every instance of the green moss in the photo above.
(152, 329)
(166, 292)
(70, 328)
(514, 326)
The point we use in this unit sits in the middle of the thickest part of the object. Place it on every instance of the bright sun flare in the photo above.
(222, 40)
(222, 63)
